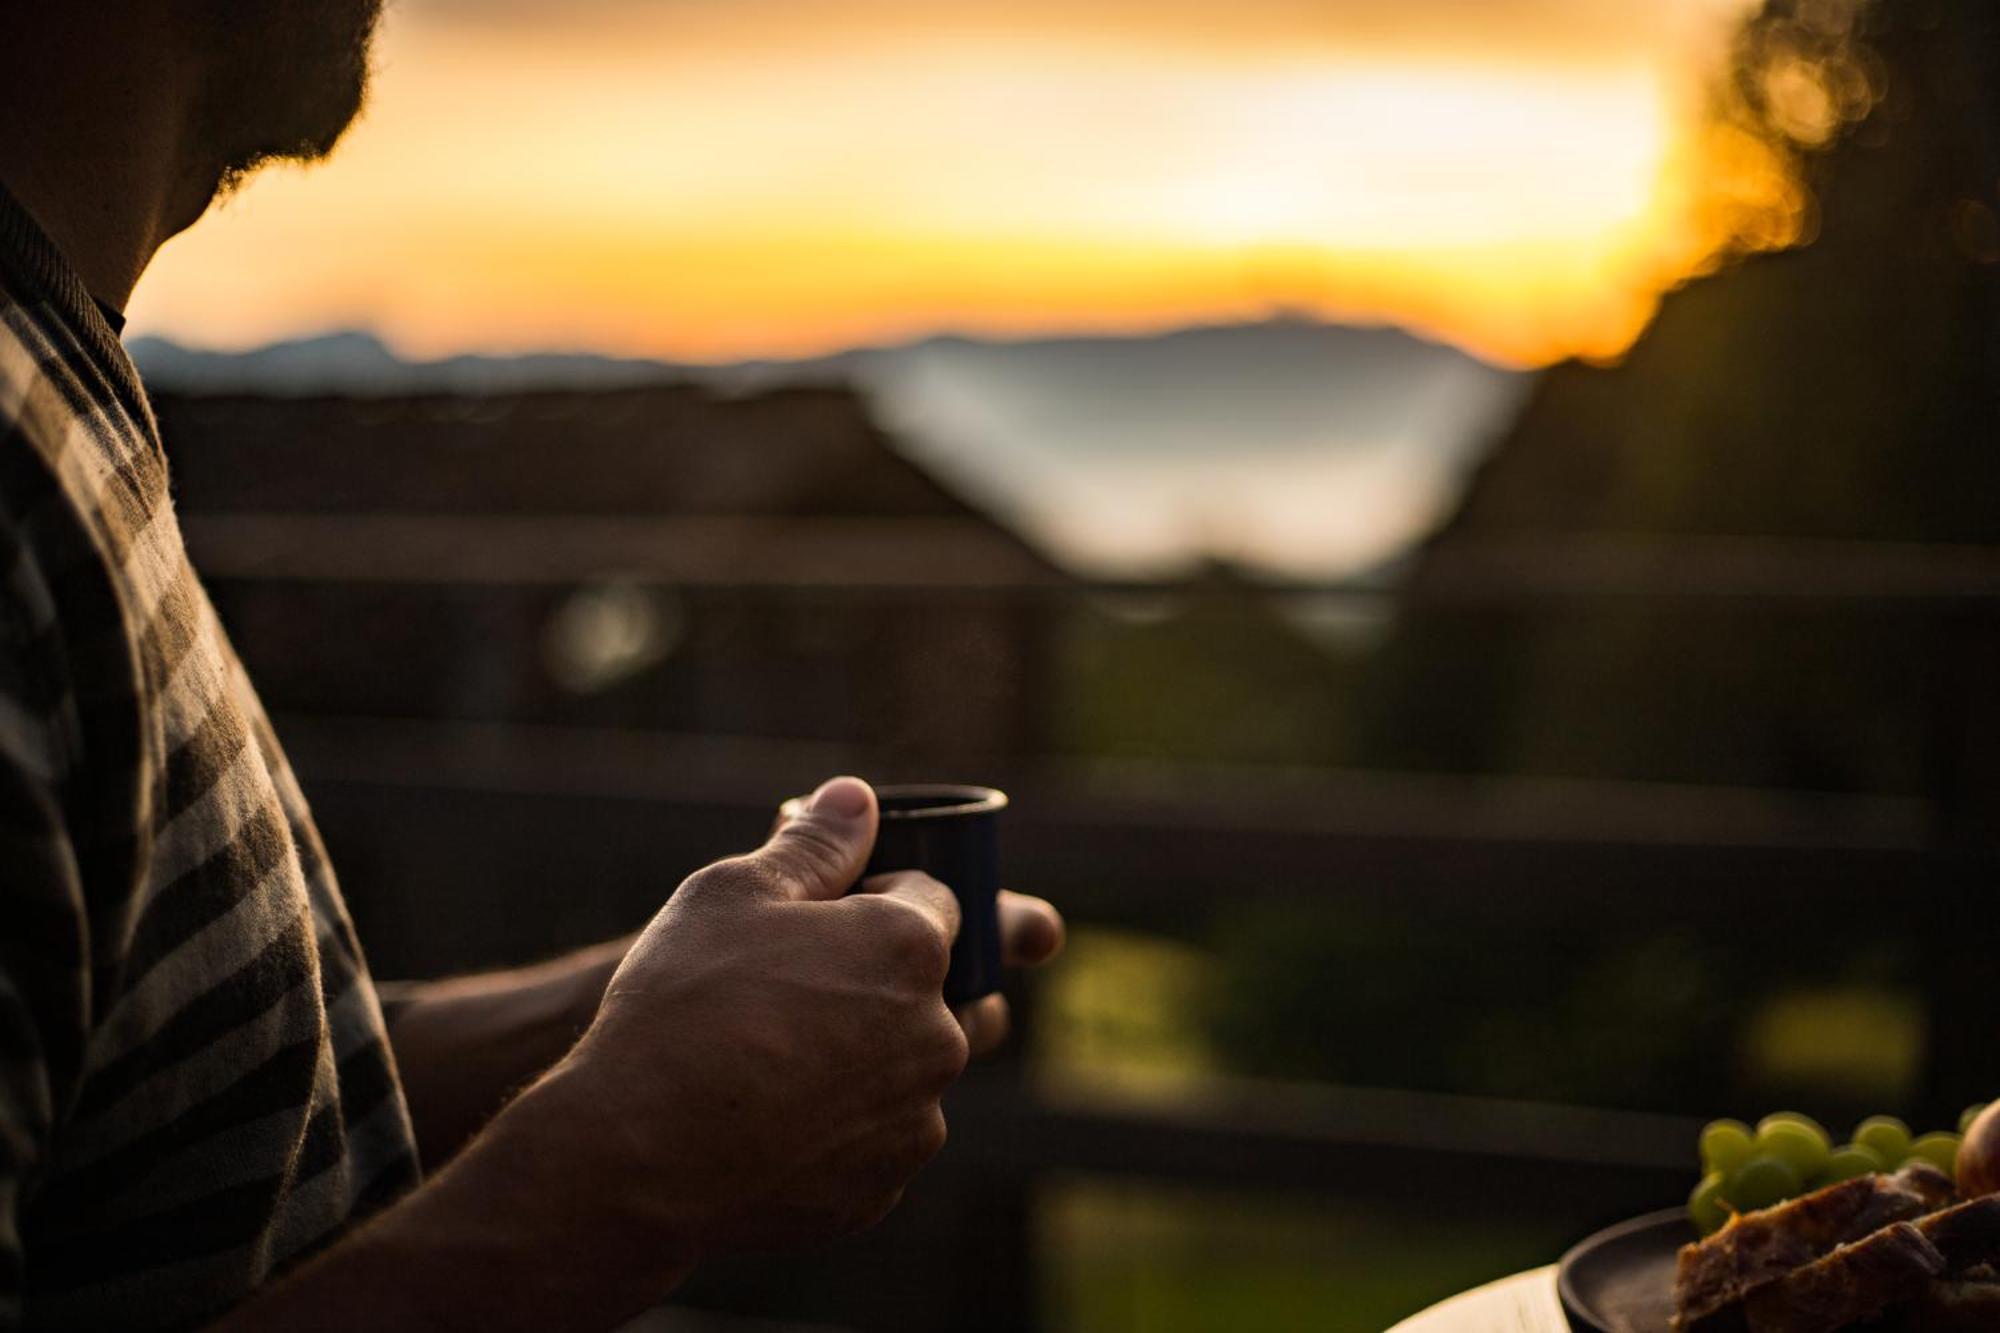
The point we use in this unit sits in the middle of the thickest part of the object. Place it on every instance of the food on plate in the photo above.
(1789, 1154)
(1940, 1150)
(1759, 1247)
(1899, 1253)
(1979, 1154)
(1892, 1232)
(1885, 1135)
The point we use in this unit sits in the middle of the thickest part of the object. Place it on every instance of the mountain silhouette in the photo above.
(1311, 447)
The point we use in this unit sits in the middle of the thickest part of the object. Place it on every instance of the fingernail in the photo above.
(843, 798)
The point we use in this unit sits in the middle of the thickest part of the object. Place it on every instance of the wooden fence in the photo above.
(433, 818)
(1160, 852)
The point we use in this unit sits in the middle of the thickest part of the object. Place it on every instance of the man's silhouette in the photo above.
(204, 1113)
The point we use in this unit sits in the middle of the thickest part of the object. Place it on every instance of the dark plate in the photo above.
(1622, 1279)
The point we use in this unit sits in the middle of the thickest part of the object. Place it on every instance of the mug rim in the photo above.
(971, 800)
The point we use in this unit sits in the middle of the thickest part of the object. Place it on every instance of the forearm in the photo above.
(513, 1234)
(465, 1045)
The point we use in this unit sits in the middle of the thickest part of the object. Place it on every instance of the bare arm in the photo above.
(765, 1069)
(464, 1046)
(520, 1231)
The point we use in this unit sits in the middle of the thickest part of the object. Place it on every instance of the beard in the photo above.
(289, 78)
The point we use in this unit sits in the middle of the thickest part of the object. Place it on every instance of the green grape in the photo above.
(1972, 1113)
(1850, 1160)
(1888, 1136)
(1803, 1147)
(1940, 1150)
(1762, 1182)
(1797, 1118)
(1705, 1206)
(1725, 1145)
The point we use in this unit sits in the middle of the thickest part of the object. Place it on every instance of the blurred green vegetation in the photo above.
(1127, 1009)
(1137, 1259)
(1565, 1011)
(1214, 672)
(1659, 1021)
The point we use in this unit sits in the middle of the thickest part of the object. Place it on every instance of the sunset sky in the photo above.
(719, 179)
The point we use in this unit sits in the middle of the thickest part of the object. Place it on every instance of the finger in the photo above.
(1031, 930)
(821, 849)
(987, 1022)
(787, 812)
(920, 891)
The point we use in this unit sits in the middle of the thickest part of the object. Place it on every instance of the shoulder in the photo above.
(46, 483)
(31, 412)
(75, 496)
(82, 473)
(36, 519)
(59, 398)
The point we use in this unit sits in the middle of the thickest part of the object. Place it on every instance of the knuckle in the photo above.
(932, 1135)
(877, 916)
(944, 903)
(870, 1214)
(939, 1054)
(917, 948)
(866, 1209)
(926, 958)
(954, 1050)
(733, 877)
(702, 883)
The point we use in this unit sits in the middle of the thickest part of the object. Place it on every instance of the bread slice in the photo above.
(1956, 1306)
(1856, 1282)
(1968, 1235)
(1938, 1189)
(1715, 1276)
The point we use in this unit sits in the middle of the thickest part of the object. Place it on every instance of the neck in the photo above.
(99, 146)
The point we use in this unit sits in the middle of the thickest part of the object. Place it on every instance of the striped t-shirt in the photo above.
(196, 1088)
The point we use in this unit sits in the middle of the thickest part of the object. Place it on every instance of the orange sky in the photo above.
(717, 179)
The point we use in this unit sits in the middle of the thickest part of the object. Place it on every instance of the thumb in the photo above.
(823, 842)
